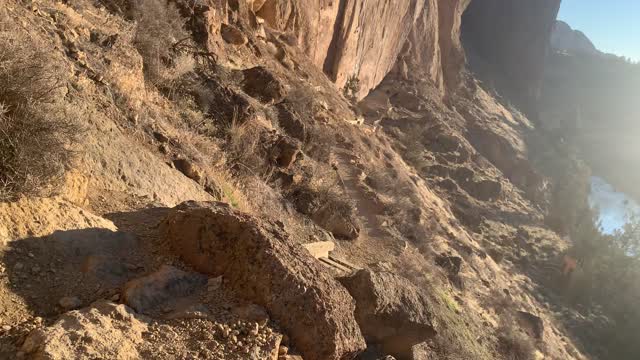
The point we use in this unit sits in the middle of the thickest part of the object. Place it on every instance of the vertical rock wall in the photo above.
(507, 41)
(421, 38)
(365, 38)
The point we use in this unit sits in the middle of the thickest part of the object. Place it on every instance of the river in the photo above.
(615, 207)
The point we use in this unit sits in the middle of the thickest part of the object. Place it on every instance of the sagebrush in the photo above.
(514, 345)
(36, 135)
(159, 27)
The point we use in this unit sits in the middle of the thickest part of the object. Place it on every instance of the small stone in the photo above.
(6, 327)
(160, 137)
(19, 266)
(164, 149)
(69, 303)
(283, 350)
(189, 169)
(252, 313)
(255, 329)
(234, 339)
(214, 283)
(115, 297)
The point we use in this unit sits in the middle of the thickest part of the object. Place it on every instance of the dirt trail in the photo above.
(375, 243)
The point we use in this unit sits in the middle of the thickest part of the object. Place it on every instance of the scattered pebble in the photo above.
(70, 303)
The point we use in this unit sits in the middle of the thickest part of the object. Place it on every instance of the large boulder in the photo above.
(261, 84)
(391, 311)
(341, 222)
(262, 264)
(232, 35)
(532, 324)
(102, 331)
(330, 213)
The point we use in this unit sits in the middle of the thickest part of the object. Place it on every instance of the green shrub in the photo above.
(351, 88)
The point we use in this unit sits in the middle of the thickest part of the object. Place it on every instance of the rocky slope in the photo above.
(236, 111)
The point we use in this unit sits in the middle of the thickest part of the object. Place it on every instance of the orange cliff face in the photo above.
(421, 39)
(367, 38)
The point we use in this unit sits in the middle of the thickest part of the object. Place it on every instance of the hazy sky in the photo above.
(612, 25)
(615, 207)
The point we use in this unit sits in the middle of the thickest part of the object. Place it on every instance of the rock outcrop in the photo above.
(102, 331)
(433, 50)
(261, 263)
(533, 324)
(391, 310)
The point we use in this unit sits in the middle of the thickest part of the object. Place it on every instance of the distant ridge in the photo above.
(565, 38)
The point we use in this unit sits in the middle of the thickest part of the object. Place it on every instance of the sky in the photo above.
(612, 25)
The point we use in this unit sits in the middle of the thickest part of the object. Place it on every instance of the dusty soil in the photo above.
(425, 180)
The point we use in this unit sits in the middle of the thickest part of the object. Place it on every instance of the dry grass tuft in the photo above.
(36, 131)
(514, 345)
(160, 27)
(242, 140)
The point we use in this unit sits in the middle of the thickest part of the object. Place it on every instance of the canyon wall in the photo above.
(506, 41)
(421, 38)
(365, 38)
